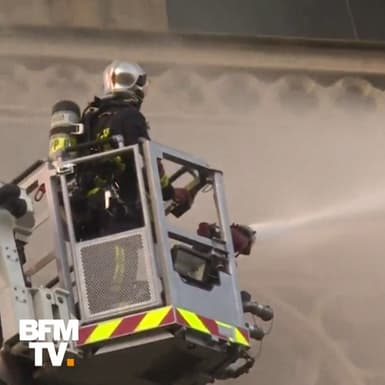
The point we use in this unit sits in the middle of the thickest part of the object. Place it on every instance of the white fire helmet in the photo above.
(125, 78)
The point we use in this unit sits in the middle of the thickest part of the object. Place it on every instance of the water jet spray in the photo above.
(364, 205)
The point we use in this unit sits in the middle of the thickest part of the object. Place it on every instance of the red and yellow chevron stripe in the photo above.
(131, 324)
(159, 318)
(219, 329)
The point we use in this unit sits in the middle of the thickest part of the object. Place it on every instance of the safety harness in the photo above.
(97, 109)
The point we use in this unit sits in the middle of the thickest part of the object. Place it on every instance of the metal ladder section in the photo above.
(17, 299)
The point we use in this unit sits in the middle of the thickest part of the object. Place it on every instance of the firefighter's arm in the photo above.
(179, 195)
(167, 188)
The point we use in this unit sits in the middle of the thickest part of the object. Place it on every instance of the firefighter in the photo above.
(117, 115)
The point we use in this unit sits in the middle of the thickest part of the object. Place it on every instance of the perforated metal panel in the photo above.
(116, 275)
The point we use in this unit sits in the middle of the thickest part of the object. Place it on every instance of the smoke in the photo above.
(304, 164)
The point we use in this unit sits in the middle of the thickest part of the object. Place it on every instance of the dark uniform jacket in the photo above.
(112, 118)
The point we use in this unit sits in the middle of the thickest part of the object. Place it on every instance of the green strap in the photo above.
(93, 191)
(164, 181)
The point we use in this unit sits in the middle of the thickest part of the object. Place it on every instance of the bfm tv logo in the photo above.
(36, 333)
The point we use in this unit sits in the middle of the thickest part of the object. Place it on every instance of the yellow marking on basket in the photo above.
(239, 337)
(152, 319)
(104, 330)
(229, 327)
(194, 321)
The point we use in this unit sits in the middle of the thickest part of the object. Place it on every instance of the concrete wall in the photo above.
(322, 19)
(352, 20)
(148, 15)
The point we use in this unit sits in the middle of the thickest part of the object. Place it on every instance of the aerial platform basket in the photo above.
(156, 303)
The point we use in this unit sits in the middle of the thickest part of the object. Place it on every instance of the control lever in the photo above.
(193, 188)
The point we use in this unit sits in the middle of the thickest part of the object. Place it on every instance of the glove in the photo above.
(183, 199)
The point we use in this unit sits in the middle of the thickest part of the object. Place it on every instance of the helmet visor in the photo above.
(125, 80)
